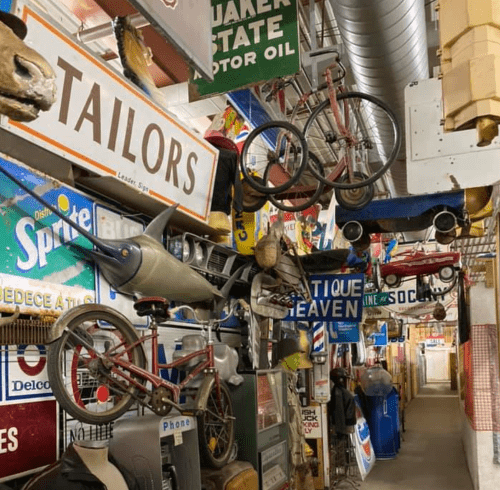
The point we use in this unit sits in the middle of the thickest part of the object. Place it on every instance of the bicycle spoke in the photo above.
(305, 193)
(216, 428)
(366, 139)
(276, 149)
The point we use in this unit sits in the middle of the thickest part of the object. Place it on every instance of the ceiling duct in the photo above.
(386, 45)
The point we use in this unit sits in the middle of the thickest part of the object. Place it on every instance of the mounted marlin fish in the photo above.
(140, 265)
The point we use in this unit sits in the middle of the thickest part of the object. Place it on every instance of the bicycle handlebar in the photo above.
(211, 321)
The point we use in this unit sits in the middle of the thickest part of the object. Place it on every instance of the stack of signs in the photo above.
(365, 455)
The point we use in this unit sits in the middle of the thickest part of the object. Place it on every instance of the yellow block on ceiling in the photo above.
(470, 65)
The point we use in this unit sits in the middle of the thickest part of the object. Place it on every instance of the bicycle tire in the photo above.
(287, 163)
(75, 371)
(436, 294)
(297, 196)
(216, 436)
(252, 200)
(380, 136)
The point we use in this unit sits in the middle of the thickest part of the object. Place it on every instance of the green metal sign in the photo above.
(33, 241)
(375, 299)
(252, 41)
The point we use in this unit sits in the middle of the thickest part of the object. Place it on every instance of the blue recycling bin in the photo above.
(383, 421)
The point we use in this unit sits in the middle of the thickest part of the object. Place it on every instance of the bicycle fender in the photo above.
(204, 391)
(67, 316)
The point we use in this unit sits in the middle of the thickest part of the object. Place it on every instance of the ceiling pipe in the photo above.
(106, 30)
(386, 45)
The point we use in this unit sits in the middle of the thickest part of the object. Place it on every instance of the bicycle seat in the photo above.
(154, 306)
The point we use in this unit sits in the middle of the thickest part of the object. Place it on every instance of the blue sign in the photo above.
(337, 298)
(381, 338)
(343, 332)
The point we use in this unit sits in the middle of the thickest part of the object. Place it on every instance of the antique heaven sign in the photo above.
(335, 297)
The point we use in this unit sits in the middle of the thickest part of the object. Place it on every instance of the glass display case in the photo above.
(269, 399)
(261, 425)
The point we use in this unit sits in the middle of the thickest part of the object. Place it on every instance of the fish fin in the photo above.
(225, 290)
(156, 228)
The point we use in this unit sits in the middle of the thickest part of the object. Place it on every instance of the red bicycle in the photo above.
(97, 370)
(349, 140)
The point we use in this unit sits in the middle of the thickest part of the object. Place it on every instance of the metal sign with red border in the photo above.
(28, 438)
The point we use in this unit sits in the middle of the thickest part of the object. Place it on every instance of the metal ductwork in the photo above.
(386, 44)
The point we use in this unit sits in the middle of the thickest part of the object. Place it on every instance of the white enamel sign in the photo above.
(102, 123)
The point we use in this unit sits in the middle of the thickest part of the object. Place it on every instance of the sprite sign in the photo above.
(252, 41)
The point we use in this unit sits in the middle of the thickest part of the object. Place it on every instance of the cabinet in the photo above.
(260, 406)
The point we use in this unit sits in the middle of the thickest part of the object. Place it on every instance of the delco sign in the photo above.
(25, 373)
(102, 123)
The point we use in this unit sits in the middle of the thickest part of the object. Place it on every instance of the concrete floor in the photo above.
(431, 455)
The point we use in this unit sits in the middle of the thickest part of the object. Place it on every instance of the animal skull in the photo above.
(27, 81)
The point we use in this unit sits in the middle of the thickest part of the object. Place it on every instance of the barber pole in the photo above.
(321, 366)
(319, 336)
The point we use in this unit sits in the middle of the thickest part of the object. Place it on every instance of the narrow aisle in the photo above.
(431, 455)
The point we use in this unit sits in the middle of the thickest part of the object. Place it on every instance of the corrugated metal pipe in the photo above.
(385, 42)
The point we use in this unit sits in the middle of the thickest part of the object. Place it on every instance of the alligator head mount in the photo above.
(27, 81)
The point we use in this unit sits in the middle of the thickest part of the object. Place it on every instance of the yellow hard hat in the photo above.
(294, 353)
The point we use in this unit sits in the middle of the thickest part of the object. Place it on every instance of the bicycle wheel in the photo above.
(252, 200)
(216, 428)
(279, 145)
(371, 148)
(88, 388)
(355, 199)
(305, 193)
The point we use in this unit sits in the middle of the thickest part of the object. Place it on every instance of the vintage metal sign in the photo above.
(102, 123)
(343, 332)
(252, 41)
(39, 273)
(311, 421)
(334, 298)
(372, 300)
(380, 338)
(24, 373)
(186, 25)
(28, 437)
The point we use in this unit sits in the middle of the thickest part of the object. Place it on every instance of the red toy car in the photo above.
(419, 263)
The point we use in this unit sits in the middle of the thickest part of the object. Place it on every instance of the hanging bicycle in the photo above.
(352, 139)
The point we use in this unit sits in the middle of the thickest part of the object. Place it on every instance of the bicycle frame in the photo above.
(152, 375)
(344, 162)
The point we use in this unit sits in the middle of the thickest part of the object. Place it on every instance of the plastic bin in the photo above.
(383, 421)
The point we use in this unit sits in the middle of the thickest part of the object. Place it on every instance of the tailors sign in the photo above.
(103, 123)
(336, 298)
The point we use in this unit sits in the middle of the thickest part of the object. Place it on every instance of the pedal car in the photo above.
(420, 263)
(451, 213)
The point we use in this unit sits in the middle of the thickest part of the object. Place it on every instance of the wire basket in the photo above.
(343, 464)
